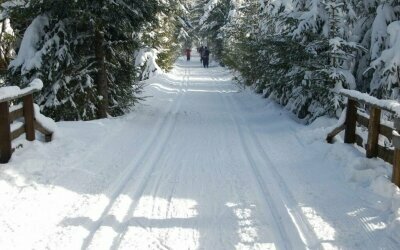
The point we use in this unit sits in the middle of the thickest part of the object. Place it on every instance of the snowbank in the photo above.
(372, 174)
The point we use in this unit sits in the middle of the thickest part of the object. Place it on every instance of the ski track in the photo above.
(285, 194)
(119, 185)
(154, 156)
(151, 153)
(278, 222)
(203, 176)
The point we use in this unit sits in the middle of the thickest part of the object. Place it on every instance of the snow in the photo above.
(207, 10)
(389, 105)
(390, 57)
(384, 14)
(202, 164)
(28, 57)
(16, 125)
(5, 30)
(46, 122)
(146, 58)
(10, 92)
(15, 107)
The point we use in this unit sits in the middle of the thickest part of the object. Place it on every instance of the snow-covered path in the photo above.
(201, 165)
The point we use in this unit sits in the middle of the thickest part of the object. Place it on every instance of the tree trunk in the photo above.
(101, 77)
(2, 46)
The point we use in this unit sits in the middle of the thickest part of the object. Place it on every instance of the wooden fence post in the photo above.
(5, 133)
(396, 156)
(373, 132)
(29, 115)
(351, 119)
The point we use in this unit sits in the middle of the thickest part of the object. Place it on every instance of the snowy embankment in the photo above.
(200, 165)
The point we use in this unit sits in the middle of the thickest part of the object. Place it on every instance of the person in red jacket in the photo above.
(188, 54)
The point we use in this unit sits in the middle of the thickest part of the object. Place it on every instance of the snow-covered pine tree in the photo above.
(242, 42)
(360, 29)
(196, 13)
(384, 49)
(214, 22)
(299, 53)
(165, 32)
(45, 52)
(342, 52)
(311, 96)
(162, 40)
(7, 40)
(82, 50)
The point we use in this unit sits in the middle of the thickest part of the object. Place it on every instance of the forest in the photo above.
(92, 55)
(284, 133)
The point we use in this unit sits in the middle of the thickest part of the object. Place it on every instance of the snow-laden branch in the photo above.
(207, 10)
(28, 56)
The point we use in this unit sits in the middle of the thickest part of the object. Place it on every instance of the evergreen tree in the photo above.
(165, 33)
(242, 43)
(162, 40)
(214, 24)
(300, 53)
(82, 50)
(7, 40)
(384, 67)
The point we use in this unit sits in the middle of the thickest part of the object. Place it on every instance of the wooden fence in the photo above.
(7, 118)
(375, 128)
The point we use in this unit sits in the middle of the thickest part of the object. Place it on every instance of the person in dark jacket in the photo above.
(206, 57)
(201, 51)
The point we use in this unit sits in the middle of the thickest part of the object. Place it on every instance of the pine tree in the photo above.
(242, 43)
(213, 24)
(162, 40)
(164, 33)
(82, 51)
(384, 68)
(7, 40)
(299, 54)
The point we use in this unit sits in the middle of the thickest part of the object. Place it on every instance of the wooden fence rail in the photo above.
(375, 128)
(10, 129)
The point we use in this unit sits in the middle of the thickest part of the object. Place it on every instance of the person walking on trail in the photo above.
(206, 57)
(188, 54)
(201, 51)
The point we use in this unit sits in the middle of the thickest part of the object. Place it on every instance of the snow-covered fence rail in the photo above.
(10, 129)
(375, 128)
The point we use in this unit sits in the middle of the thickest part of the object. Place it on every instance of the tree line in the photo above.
(300, 52)
(84, 51)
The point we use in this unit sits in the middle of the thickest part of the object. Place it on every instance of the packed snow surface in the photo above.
(202, 164)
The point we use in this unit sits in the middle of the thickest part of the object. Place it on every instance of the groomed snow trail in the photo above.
(201, 164)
